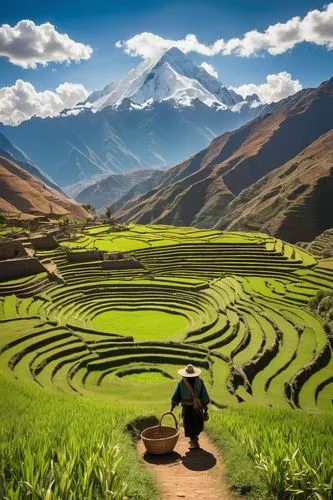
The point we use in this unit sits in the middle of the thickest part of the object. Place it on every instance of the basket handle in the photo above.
(169, 413)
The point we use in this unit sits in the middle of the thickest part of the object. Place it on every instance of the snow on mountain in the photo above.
(132, 124)
(171, 77)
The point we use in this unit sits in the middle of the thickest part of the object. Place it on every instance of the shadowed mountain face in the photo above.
(198, 192)
(21, 192)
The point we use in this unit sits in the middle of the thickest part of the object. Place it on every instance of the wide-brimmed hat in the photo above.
(189, 371)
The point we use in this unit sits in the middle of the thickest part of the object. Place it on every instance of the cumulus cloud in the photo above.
(209, 68)
(28, 44)
(277, 87)
(149, 45)
(315, 27)
(21, 101)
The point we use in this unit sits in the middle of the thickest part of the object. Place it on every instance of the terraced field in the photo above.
(232, 303)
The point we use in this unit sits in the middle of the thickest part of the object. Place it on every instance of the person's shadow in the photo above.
(199, 460)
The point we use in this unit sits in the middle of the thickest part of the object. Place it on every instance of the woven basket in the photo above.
(161, 439)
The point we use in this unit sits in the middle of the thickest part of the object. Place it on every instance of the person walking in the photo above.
(193, 396)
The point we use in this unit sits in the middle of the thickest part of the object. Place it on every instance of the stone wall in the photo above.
(121, 264)
(84, 256)
(44, 242)
(10, 249)
(15, 268)
(114, 256)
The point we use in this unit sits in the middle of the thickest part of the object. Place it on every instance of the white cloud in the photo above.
(277, 87)
(71, 94)
(316, 27)
(209, 68)
(22, 101)
(28, 44)
(148, 45)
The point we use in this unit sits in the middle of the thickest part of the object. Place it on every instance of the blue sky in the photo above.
(101, 23)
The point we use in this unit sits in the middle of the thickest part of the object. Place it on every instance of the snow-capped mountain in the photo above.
(163, 111)
(170, 77)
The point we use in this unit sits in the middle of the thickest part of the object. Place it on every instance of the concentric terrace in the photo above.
(234, 304)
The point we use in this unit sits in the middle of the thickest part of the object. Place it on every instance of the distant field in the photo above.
(234, 304)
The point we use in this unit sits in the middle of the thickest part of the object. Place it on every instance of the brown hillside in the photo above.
(21, 192)
(294, 202)
(211, 179)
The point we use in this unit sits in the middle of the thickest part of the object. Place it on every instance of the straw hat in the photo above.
(189, 371)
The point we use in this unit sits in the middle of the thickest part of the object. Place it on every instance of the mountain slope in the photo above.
(69, 146)
(21, 192)
(108, 190)
(198, 191)
(321, 246)
(219, 149)
(294, 202)
(8, 150)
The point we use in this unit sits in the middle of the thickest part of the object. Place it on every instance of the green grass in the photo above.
(66, 447)
(291, 449)
(146, 378)
(142, 325)
(138, 236)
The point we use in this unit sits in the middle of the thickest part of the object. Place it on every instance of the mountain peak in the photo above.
(173, 55)
(171, 77)
(173, 52)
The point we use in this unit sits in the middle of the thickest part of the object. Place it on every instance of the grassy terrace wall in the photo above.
(234, 304)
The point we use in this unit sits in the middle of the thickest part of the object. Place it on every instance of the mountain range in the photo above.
(273, 174)
(159, 114)
(271, 171)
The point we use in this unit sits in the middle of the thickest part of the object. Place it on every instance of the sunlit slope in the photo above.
(232, 303)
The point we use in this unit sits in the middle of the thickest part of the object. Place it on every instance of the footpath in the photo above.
(190, 474)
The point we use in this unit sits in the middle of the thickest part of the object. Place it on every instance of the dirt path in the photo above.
(189, 474)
